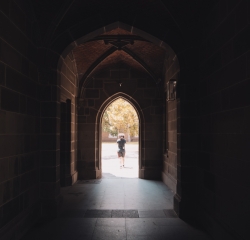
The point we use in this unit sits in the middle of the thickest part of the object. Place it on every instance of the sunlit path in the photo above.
(111, 163)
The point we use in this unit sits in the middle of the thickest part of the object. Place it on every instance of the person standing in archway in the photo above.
(121, 149)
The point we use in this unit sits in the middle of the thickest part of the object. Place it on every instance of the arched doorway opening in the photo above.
(140, 161)
(119, 119)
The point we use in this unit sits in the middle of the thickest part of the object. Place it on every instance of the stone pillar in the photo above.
(65, 144)
(49, 144)
(185, 197)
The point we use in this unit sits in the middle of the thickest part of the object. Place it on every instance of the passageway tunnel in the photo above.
(183, 65)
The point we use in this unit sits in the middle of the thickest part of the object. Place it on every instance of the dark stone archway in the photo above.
(144, 75)
(140, 81)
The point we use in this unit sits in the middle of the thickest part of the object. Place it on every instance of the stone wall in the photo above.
(137, 87)
(68, 140)
(19, 121)
(223, 109)
(169, 171)
(212, 111)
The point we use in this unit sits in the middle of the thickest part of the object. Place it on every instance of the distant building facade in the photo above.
(107, 137)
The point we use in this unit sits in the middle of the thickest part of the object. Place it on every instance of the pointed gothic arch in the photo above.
(141, 119)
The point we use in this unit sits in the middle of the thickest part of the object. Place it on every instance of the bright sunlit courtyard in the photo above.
(111, 162)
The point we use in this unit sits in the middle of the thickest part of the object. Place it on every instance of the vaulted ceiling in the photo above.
(61, 22)
(119, 49)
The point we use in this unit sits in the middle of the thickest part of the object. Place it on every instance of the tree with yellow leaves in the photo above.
(120, 117)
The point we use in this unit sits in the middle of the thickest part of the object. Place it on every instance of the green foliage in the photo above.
(119, 117)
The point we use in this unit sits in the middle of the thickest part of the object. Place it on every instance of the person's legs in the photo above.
(121, 162)
(123, 156)
(120, 157)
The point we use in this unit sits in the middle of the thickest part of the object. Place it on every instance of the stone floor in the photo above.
(118, 206)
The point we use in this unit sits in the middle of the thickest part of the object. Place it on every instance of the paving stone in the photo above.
(151, 214)
(111, 222)
(130, 214)
(117, 213)
(108, 233)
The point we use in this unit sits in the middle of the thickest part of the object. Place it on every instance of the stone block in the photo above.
(11, 57)
(16, 187)
(33, 106)
(98, 83)
(50, 109)
(65, 157)
(158, 110)
(239, 95)
(86, 127)
(186, 141)
(28, 179)
(3, 125)
(1, 200)
(64, 94)
(49, 142)
(5, 7)
(150, 173)
(7, 190)
(23, 104)
(45, 93)
(172, 136)
(169, 181)
(89, 174)
(18, 16)
(49, 190)
(227, 53)
(172, 125)
(27, 163)
(9, 100)
(151, 144)
(141, 83)
(172, 159)
(188, 125)
(241, 42)
(187, 157)
(186, 174)
(2, 73)
(172, 115)
(49, 174)
(50, 158)
(14, 166)
(4, 169)
(10, 210)
(172, 105)
(92, 93)
(67, 84)
(11, 145)
(49, 125)
(20, 83)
